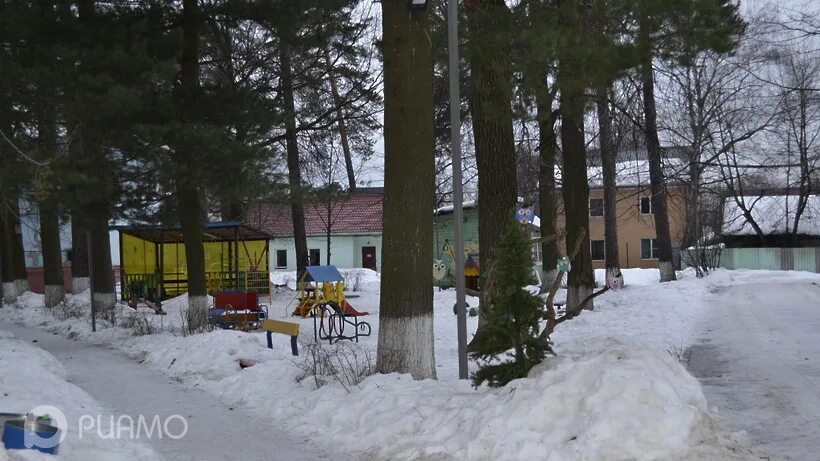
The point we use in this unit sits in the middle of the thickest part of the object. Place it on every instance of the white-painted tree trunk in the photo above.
(406, 346)
(22, 286)
(197, 314)
(576, 295)
(9, 292)
(667, 271)
(614, 278)
(80, 284)
(54, 295)
(104, 304)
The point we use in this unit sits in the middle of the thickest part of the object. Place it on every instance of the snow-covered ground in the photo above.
(30, 378)
(758, 356)
(617, 389)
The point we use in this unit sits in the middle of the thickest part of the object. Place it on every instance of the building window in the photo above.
(315, 258)
(598, 250)
(646, 205)
(281, 259)
(649, 248)
(596, 207)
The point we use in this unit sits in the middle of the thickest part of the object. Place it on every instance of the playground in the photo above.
(154, 266)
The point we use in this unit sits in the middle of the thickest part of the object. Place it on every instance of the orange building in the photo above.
(637, 243)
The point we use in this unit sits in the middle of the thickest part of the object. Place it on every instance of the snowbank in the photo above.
(616, 391)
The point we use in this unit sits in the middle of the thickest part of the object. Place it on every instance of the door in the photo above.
(369, 257)
(315, 258)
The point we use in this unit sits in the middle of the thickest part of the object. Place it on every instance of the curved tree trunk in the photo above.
(653, 152)
(488, 47)
(406, 306)
(614, 278)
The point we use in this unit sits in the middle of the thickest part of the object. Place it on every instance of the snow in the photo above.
(450, 208)
(758, 357)
(774, 214)
(32, 377)
(617, 389)
(632, 173)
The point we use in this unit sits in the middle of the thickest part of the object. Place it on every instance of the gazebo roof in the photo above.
(212, 232)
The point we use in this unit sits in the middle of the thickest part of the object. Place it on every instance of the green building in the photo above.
(443, 239)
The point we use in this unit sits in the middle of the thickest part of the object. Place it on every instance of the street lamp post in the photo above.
(458, 210)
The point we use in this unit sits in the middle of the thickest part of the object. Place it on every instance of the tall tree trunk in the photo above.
(614, 277)
(693, 231)
(653, 152)
(189, 206)
(489, 43)
(575, 187)
(18, 254)
(79, 254)
(340, 114)
(49, 216)
(297, 206)
(52, 253)
(546, 181)
(6, 259)
(406, 306)
(102, 273)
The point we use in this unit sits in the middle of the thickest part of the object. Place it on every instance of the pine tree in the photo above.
(406, 304)
(675, 30)
(512, 313)
(489, 26)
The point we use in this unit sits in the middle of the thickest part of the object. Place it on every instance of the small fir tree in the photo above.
(512, 314)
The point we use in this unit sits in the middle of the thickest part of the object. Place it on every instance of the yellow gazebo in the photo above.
(153, 264)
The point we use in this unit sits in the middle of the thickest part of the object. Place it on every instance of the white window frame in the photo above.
(652, 246)
(640, 205)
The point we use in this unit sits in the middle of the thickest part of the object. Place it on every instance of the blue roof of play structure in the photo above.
(323, 274)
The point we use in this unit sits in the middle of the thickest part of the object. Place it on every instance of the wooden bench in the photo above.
(286, 328)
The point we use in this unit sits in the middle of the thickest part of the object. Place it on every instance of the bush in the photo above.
(70, 310)
(139, 323)
(343, 363)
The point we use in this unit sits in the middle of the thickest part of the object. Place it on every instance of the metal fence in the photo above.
(798, 259)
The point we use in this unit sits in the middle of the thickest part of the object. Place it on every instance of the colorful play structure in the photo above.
(322, 296)
(153, 265)
(237, 310)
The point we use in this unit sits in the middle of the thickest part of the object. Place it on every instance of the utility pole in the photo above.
(458, 210)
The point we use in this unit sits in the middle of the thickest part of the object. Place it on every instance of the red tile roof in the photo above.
(357, 213)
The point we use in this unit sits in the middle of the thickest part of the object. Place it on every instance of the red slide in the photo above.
(349, 310)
